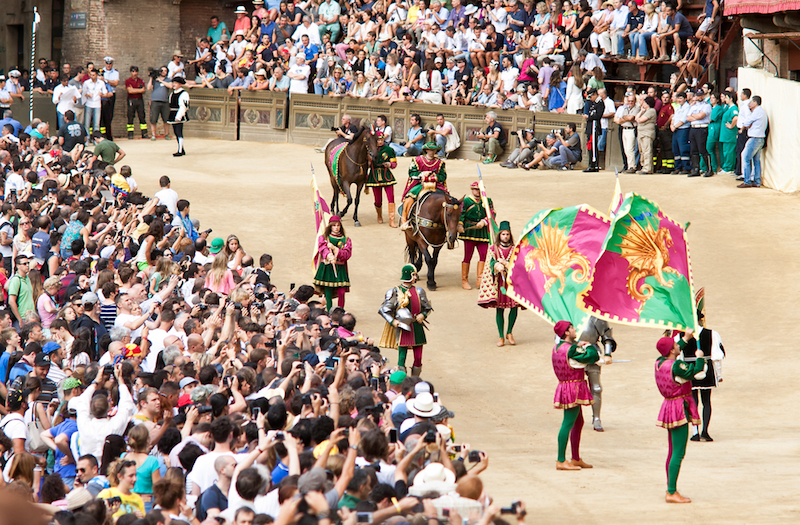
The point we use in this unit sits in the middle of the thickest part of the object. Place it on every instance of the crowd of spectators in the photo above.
(153, 374)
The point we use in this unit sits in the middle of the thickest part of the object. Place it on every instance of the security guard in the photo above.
(111, 77)
(135, 88)
(593, 113)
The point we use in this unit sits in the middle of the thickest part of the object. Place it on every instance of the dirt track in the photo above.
(745, 252)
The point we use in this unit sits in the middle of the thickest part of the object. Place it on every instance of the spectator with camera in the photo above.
(159, 100)
(492, 140)
(543, 151)
(569, 149)
(525, 149)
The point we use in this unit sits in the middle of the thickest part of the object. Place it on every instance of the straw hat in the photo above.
(433, 478)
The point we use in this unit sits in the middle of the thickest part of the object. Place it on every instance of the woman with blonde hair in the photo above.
(46, 303)
(122, 478)
(220, 278)
(24, 469)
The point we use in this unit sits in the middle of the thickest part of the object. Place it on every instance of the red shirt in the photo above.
(664, 114)
(134, 83)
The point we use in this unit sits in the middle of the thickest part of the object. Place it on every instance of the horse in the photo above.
(352, 160)
(436, 224)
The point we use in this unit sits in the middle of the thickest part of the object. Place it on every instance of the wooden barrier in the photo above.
(262, 116)
(212, 115)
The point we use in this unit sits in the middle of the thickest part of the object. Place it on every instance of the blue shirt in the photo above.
(700, 107)
(680, 115)
(309, 51)
(41, 245)
(20, 369)
(279, 472)
(16, 124)
(757, 122)
(68, 427)
(191, 233)
(4, 366)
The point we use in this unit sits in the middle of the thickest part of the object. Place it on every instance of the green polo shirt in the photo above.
(107, 151)
(349, 501)
(21, 287)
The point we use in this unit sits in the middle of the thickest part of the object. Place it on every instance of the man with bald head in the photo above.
(215, 499)
(195, 346)
(115, 348)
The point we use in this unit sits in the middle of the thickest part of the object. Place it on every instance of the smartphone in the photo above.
(279, 436)
(435, 398)
(363, 517)
(456, 448)
(445, 513)
(256, 411)
(291, 286)
(474, 456)
(108, 195)
(393, 435)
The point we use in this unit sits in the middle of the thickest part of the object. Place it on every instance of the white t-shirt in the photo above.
(5, 226)
(91, 93)
(169, 198)
(125, 318)
(203, 473)
(502, 19)
(14, 182)
(509, 76)
(610, 108)
(299, 86)
(156, 338)
(13, 426)
(175, 70)
(64, 97)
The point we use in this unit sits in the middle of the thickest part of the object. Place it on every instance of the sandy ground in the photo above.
(745, 252)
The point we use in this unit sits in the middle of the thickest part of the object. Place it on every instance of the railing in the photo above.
(212, 114)
(43, 109)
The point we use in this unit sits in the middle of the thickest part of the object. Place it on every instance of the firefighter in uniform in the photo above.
(135, 88)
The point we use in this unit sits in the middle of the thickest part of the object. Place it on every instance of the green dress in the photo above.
(713, 136)
(333, 275)
(381, 174)
(472, 212)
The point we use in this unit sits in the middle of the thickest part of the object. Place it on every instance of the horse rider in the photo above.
(426, 171)
(381, 179)
(598, 333)
(473, 228)
(405, 309)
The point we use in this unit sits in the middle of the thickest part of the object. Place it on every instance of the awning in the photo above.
(763, 7)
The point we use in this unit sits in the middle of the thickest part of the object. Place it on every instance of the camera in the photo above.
(108, 369)
(512, 509)
(307, 399)
(202, 307)
(334, 129)
(513, 133)
(364, 517)
(555, 132)
(430, 436)
(152, 72)
(474, 456)
(203, 409)
(348, 344)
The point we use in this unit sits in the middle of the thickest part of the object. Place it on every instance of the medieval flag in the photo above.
(493, 228)
(616, 200)
(321, 213)
(643, 275)
(553, 262)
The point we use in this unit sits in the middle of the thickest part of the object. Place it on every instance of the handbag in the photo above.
(35, 429)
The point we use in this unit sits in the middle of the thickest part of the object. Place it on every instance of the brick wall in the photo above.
(144, 33)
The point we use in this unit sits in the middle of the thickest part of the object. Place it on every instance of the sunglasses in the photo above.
(80, 470)
(354, 360)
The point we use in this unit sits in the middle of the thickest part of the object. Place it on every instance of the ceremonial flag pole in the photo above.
(616, 200)
(322, 214)
(485, 200)
(36, 19)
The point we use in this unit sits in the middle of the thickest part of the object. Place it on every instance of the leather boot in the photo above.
(465, 276)
(404, 225)
(416, 371)
(677, 498)
(379, 211)
(481, 264)
(392, 223)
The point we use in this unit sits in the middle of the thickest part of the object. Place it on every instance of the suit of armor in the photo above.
(400, 309)
(598, 333)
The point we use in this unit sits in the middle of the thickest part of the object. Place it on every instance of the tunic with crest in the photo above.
(327, 275)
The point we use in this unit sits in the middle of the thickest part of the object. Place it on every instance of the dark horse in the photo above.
(436, 225)
(353, 166)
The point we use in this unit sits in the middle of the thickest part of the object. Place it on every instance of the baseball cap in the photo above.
(50, 347)
(216, 245)
(42, 359)
(187, 381)
(70, 383)
(397, 377)
(89, 297)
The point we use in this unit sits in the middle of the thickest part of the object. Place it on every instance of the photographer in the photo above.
(159, 100)
(569, 149)
(550, 147)
(135, 88)
(492, 140)
(524, 151)
(347, 130)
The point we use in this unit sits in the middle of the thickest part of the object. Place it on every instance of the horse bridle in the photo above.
(351, 158)
(422, 222)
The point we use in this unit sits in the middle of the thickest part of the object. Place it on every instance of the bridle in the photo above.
(422, 222)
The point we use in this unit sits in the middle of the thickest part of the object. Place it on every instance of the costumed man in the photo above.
(334, 249)
(710, 343)
(426, 171)
(380, 177)
(569, 359)
(473, 229)
(405, 309)
(598, 333)
(593, 113)
(178, 112)
(493, 284)
(673, 379)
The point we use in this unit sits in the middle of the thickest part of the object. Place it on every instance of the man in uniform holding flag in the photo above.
(473, 227)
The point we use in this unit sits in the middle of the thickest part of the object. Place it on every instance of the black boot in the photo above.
(130, 135)
(709, 172)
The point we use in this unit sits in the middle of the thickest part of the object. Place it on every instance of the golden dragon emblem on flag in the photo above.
(556, 257)
(647, 253)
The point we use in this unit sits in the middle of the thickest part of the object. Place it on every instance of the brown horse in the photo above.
(436, 224)
(353, 165)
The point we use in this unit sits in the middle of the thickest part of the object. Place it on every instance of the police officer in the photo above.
(135, 88)
(699, 117)
(593, 113)
(111, 77)
(681, 127)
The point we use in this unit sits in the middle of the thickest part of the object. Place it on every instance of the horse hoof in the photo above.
(432, 287)
(358, 224)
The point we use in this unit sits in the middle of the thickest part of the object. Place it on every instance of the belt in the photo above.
(576, 381)
(674, 398)
(700, 126)
(627, 127)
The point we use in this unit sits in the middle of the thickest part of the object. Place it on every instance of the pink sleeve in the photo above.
(322, 247)
(345, 251)
(229, 283)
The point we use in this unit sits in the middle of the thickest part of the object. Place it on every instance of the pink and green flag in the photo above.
(321, 213)
(493, 228)
(644, 274)
(553, 262)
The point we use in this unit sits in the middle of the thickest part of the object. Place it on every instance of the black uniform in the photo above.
(593, 129)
